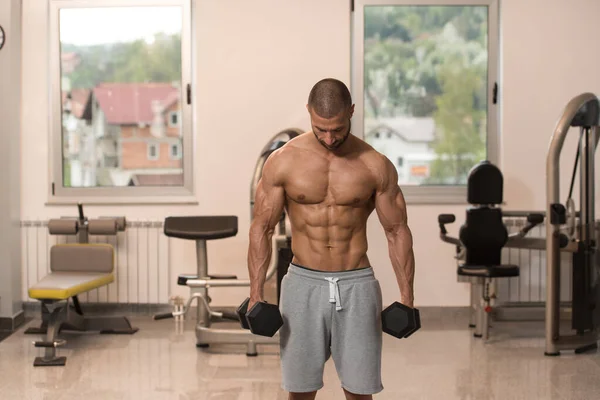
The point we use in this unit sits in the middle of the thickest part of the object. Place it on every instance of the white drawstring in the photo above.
(334, 292)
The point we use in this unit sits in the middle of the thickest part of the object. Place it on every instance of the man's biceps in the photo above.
(387, 202)
(392, 211)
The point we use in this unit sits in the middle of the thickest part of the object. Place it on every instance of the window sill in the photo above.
(126, 200)
(434, 195)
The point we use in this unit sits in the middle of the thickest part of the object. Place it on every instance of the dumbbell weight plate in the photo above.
(399, 320)
(241, 312)
(264, 319)
(417, 322)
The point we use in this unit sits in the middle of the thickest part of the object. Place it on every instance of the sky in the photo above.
(86, 26)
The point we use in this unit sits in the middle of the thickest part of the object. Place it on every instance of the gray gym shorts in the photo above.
(334, 314)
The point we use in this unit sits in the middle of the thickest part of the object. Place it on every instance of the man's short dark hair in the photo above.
(329, 97)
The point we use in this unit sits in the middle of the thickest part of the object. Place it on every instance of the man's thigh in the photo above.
(304, 336)
(356, 338)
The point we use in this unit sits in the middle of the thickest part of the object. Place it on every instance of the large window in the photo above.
(120, 94)
(424, 78)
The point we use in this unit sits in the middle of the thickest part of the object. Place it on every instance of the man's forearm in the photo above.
(259, 257)
(403, 261)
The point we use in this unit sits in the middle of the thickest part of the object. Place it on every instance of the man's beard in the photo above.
(337, 144)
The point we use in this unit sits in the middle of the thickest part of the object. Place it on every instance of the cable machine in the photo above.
(573, 231)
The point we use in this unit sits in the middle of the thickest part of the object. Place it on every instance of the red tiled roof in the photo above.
(171, 99)
(79, 101)
(69, 56)
(131, 103)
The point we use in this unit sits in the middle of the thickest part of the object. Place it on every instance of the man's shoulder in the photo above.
(289, 149)
(279, 161)
(381, 168)
(370, 156)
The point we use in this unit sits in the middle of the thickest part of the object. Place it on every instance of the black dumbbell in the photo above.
(262, 319)
(400, 321)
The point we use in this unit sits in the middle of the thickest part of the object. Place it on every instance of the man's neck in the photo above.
(346, 148)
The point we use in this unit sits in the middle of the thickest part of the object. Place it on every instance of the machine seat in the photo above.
(201, 227)
(489, 271)
(75, 268)
(62, 285)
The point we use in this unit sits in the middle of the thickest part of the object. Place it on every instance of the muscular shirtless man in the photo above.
(329, 182)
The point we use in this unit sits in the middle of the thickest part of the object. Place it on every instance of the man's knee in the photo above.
(302, 396)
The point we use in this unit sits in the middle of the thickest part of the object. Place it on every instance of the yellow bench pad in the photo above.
(60, 285)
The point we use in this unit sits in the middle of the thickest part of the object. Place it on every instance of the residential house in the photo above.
(406, 142)
(134, 136)
(76, 123)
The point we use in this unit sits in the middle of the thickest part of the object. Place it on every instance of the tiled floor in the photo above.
(441, 361)
(4, 335)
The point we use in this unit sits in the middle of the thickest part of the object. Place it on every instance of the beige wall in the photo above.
(10, 163)
(256, 63)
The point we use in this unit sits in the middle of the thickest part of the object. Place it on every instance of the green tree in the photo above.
(431, 61)
(137, 61)
(460, 127)
(66, 173)
(156, 62)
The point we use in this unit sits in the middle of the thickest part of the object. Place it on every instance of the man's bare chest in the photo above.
(337, 182)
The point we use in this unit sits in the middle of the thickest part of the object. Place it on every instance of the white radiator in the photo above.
(142, 262)
(143, 273)
(530, 286)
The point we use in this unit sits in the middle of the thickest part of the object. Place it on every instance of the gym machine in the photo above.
(583, 111)
(76, 268)
(481, 239)
(204, 228)
(567, 230)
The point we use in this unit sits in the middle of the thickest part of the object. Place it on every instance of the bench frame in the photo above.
(60, 315)
(67, 315)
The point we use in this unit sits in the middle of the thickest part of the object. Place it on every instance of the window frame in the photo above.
(57, 192)
(432, 194)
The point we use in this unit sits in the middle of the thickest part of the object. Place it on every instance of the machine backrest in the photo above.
(484, 234)
(75, 257)
(485, 184)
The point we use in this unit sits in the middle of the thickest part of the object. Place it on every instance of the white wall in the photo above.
(10, 162)
(257, 63)
(550, 55)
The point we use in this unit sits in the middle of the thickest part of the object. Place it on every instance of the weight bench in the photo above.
(75, 268)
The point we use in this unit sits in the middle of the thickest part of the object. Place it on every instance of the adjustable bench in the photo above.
(75, 268)
(202, 229)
